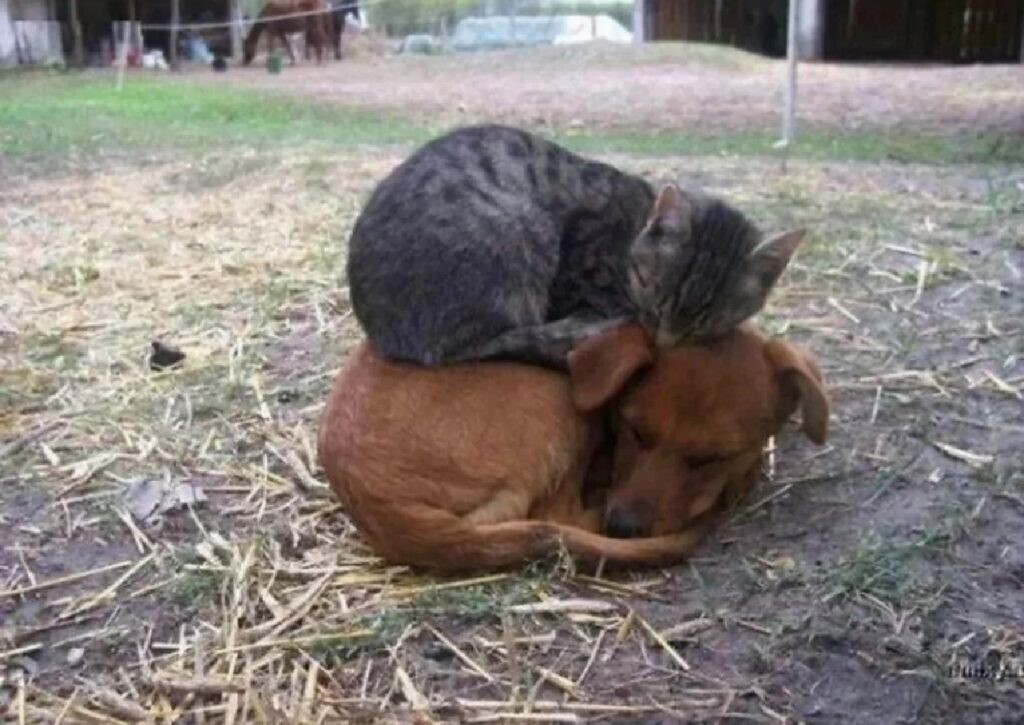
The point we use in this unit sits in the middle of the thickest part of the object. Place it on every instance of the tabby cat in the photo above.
(490, 242)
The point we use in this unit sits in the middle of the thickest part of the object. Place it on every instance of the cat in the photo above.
(490, 242)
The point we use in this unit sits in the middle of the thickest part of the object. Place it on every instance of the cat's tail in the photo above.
(436, 539)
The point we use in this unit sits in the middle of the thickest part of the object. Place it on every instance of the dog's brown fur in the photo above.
(482, 465)
(690, 431)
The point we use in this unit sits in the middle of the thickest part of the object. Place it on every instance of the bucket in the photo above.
(274, 63)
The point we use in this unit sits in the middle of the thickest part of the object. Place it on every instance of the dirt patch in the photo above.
(854, 586)
(657, 87)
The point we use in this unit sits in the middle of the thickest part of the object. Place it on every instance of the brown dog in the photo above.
(483, 465)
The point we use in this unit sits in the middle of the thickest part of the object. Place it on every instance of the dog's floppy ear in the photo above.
(801, 383)
(601, 365)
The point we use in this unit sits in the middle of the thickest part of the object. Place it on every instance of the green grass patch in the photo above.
(57, 115)
(64, 115)
(886, 568)
(812, 144)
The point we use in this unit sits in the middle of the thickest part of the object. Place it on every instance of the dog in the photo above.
(485, 465)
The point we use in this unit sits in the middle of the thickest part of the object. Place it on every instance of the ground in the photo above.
(860, 582)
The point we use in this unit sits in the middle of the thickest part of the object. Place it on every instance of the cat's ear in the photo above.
(765, 265)
(672, 208)
(599, 366)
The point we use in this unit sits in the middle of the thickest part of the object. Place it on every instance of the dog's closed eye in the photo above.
(705, 460)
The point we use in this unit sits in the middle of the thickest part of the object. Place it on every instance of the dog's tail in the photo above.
(438, 540)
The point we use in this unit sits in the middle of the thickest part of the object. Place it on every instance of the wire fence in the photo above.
(473, 23)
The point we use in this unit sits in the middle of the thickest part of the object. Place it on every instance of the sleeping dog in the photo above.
(488, 464)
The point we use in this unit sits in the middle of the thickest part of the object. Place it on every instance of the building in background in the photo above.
(952, 31)
(29, 33)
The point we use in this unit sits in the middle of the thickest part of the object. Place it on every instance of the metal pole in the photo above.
(175, 21)
(789, 103)
(236, 30)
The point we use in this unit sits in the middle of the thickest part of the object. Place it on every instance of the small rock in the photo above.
(162, 357)
(437, 653)
(147, 499)
(75, 655)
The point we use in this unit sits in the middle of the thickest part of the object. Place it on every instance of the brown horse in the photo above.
(275, 17)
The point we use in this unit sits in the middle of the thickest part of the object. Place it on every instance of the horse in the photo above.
(340, 10)
(275, 17)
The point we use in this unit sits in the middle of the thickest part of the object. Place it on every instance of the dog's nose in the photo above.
(622, 524)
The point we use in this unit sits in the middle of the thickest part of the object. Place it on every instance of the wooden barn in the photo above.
(947, 31)
(95, 19)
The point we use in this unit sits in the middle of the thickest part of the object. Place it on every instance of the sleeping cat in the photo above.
(490, 242)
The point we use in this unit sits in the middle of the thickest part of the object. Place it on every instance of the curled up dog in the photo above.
(488, 465)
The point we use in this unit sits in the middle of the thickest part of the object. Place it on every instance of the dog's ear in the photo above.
(601, 365)
(801, 383)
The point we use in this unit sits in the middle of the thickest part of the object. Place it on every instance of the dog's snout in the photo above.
(623, 524)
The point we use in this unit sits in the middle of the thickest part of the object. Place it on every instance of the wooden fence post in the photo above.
(77, 47)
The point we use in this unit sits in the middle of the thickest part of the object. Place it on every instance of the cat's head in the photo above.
(699, 267)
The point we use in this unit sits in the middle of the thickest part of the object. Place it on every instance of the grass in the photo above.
(68, 116)
(57, 114)
(818, 144)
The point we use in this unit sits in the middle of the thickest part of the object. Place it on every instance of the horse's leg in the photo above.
(287, 45)
(339, 34)
(309, 35)
(251, 42)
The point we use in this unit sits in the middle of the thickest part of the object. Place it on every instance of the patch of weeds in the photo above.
(71, 278)
(336, 650)
(950, 265)
(874, 567)
(276, 294)
(219, 397)
(55, 351)
(760, 660)
(198, 587)
(384, 629)
(470, 604)
(467, 604)
(1005, 200)
(987, 476)
(23, 387)
(884, 568)
(192, 315)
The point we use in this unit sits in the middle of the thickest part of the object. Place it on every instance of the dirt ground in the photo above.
(668, 87)
(870, 580)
